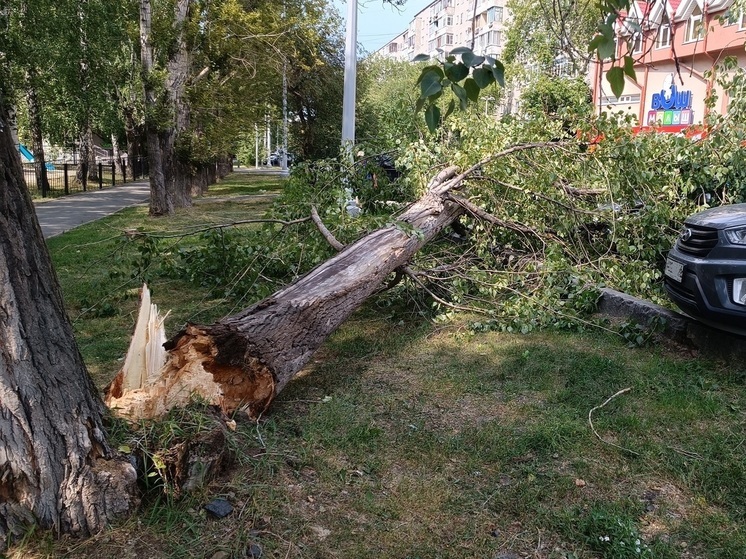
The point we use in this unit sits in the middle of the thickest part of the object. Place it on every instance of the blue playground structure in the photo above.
(28, 157)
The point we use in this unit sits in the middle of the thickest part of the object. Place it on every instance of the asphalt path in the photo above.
(68, 212)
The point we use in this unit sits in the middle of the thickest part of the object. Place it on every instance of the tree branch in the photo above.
(413, 276)
(284, 223)
(330, 238)
(478, 212)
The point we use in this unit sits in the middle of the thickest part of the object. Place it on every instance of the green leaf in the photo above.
(421, 58)
(461, 50)
(498, 71)
(595, 42)
(615, 77)
(483, 77)
(472, 89)
(470, 59)
(432, 117)
(456, 72)
(629, 67)
(420, 103)
(606, 48)
(427, 69)
(451, 107)
(607, 30)
(634, 26)
(430, 84)
(461, 94)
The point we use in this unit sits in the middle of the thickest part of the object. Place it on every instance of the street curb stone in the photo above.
(677, 327)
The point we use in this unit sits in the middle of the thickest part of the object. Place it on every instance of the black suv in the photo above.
(706, 270)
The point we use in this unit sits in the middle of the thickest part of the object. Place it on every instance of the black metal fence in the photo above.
(62, 177)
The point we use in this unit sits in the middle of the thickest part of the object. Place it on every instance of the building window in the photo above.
(495, 13)
(742, 21)
(664, 34)
(449, 21)
(393, 47)
(636, 42)
(694, 27)
(449, 39)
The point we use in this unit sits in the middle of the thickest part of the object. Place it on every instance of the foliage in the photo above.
(604, 44)
(546, 36)
(386, 116)
(568, 99)
(464, 80)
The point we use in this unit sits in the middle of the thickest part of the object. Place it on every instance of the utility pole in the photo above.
(284, 154)
(350, 79)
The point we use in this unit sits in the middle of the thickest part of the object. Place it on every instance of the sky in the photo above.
(379, 22)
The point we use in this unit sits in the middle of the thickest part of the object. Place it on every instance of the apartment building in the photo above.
(446, 24)
(677, 45)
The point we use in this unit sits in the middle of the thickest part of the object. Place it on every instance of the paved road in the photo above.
(65, 213)
(68, 212)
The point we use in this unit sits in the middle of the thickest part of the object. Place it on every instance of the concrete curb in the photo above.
(678, 328)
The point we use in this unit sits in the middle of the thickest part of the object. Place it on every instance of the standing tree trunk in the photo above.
(56, 469)
(170, 186)
(37, 143)
(178, 74)
(87, 169)
(161, 201)
(84, 153)
(116, 154)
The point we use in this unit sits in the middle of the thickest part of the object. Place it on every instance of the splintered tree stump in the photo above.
(243, 361)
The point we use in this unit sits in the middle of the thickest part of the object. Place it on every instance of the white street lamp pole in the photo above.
(350, 78)
(284, 158)
(256, 146)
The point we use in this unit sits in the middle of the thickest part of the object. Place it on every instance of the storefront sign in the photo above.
(671, 107)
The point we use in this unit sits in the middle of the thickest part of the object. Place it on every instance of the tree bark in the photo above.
(116, 153)
(56, 469)
(244, 361)
(130, 132)
(178, 74)
(170, 184)
(84, 156)
(161, 201)
(37, 143)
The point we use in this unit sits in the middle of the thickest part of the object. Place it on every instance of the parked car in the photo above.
(275, 158)
(705, 272)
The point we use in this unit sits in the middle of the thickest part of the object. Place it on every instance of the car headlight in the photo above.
(736, 236)
(739, 291)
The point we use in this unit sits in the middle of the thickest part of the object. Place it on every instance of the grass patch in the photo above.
(402, 440)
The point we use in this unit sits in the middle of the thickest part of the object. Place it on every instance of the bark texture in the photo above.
(56, 469)
(161, 200)
(170, 184)
(37, 144)
(244, 361)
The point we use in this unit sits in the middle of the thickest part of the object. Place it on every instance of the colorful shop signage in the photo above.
(671, 107)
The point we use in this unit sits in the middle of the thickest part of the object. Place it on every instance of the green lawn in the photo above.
(405, 439)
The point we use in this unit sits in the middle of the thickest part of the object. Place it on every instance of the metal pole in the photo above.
(256, 146)
(284, 158)
(350, 78)
(268, 142)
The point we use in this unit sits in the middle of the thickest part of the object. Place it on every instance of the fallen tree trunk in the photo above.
(244, 361)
